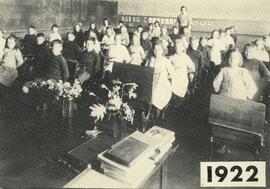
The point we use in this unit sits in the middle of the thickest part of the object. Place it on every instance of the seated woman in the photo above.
(162, 88)
(11, 60)
(234, 81)
(90, 59)
(184, 72)
(256, 68)
(57, 68)
(136, 51)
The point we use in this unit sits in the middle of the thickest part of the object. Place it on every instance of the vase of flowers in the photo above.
(67, 108)
(116, 105)
(68, 93)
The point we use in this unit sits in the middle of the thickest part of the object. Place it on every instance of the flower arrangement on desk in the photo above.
(68, 91)
(116, 102)
(40, 85)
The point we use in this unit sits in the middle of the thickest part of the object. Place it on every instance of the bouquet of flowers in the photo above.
(39, 84)
(116, 102)
(66, 90)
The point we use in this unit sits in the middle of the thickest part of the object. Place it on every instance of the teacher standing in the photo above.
(183, 19)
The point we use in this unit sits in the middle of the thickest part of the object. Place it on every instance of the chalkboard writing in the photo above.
(18, 15)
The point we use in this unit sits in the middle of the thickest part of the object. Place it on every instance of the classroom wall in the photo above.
(249, 16)
(17, 15)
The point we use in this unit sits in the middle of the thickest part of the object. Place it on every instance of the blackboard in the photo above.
(16, 15)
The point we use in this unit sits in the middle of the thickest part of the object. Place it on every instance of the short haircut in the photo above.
(40, 35)
(13, 37)
(236, 51)
(140, 26)
(54, 26)
(105, 20)
(120, 22)
(33, 27)
(250, 47)
(90, 39)
(57, 42)
(183, 7)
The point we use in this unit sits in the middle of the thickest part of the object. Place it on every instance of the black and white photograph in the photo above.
(152, 94)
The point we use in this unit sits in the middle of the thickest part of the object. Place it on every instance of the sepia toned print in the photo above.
(134, 94)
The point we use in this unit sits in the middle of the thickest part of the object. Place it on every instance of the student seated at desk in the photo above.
(92, 34)
(184, 73)
(261, 53)
(11, 60)
(106, 24)
(108, 38)
(29, 41)
(162, 88)
(206, 51)
(90, 59)
(234, 81)
(118, 52)
(54, 33)
(92, 28)
(136, 51)
(71, 49)
(125, 35)
(79, 34)
(57, 68)
(41, 54)
(197, 58)
(256, 68)
(147, 46)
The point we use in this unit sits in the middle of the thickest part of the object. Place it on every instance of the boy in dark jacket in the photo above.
(57, 68)
(29, 41)
(41, 54)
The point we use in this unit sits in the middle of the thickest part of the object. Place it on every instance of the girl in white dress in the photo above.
(162, 88)
(184, 70)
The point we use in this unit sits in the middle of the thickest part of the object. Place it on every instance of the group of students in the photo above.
(182, 62)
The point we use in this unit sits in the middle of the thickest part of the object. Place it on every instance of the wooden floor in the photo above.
(31, 142)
